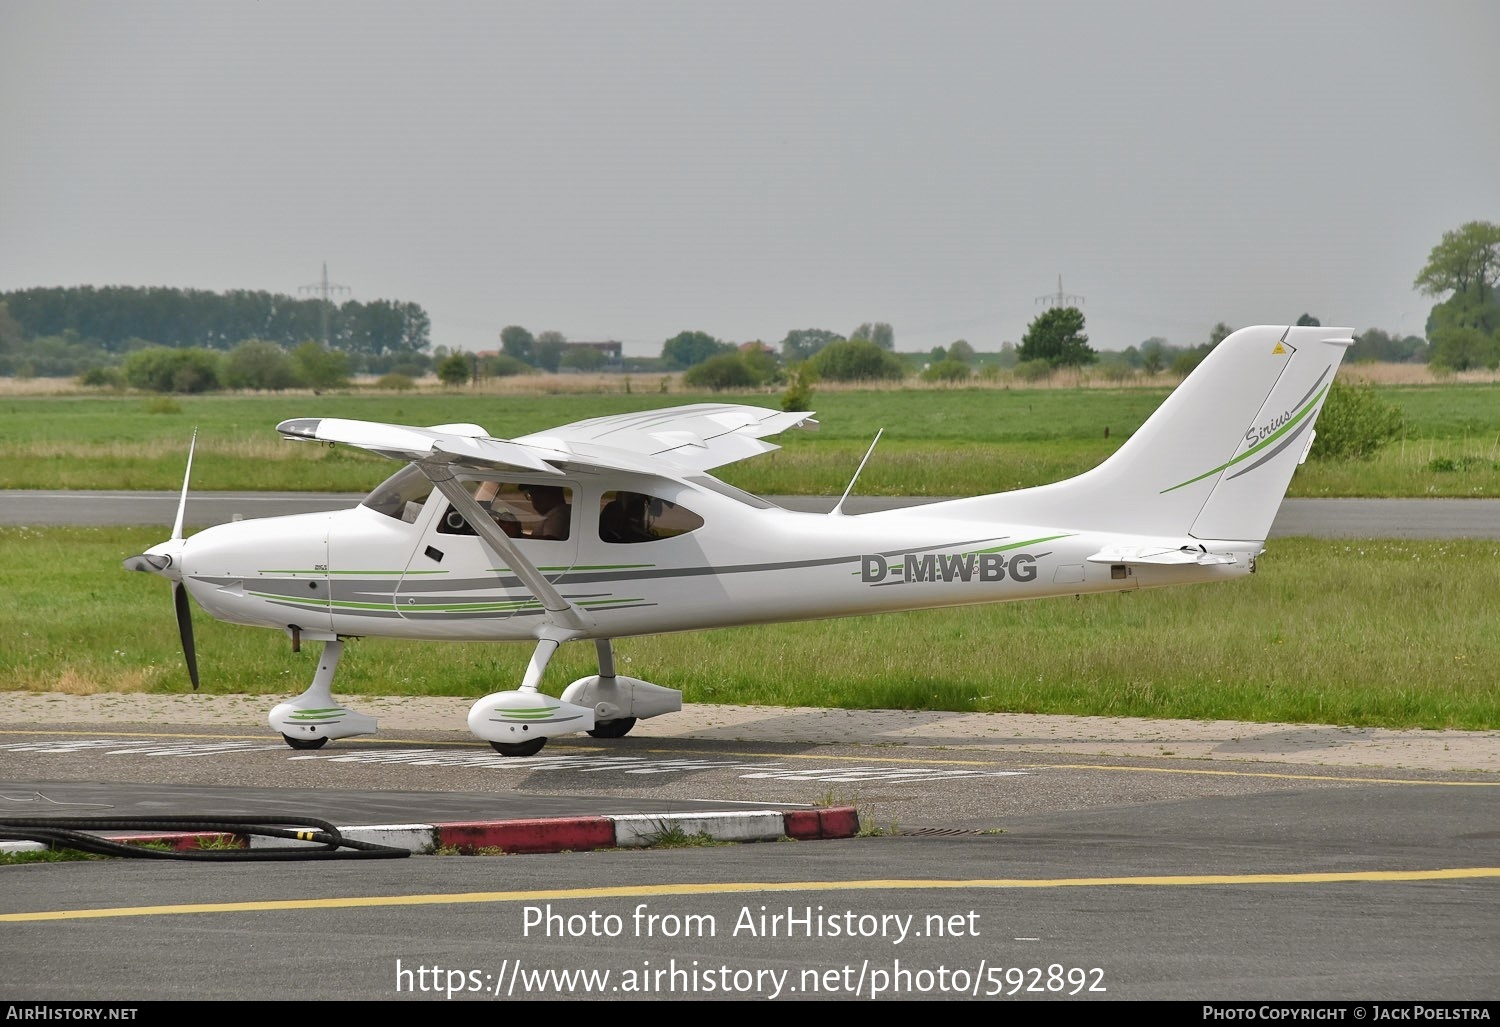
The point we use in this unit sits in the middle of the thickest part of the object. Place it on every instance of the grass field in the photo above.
(1376, 633)
(936, 442)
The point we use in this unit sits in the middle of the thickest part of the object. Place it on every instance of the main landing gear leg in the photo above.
(311, 719)
(618, 702)
(519, 723)
(618, 727)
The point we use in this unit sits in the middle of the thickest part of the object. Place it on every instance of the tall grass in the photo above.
(1397, 634)
(936, 443)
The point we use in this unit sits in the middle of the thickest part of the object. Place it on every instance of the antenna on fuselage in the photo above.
(838, 508)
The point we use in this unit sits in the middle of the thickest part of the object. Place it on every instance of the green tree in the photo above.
(685, 349)
(800, 379)
(857, 360)
(802, 343)
(1466, 260)
(396, 382)
(549, 350)
(948, 370)
(1056, 336)
(1374, 344)
(1032, 370)
(453, 369)
(1307, 320)
(1458, 347)
(319, 368)
(583, 358)
(1222, 331)
(259, 364)
(961, 351)
(878, 332)
(1184, 362)
(164, 369)
(1153, 355)
(717, 373)
(11, 333)
(109, 316)
(518, 343)
(762, 361)
(378, 332)
(1354, 424)
(503, 365)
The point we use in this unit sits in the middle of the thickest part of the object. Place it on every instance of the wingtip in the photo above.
(300, 427)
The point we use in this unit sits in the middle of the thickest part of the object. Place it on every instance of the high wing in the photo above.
(697, 437)
(449, 443)
(685, 438)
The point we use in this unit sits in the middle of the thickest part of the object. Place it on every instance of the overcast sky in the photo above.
(629, 170)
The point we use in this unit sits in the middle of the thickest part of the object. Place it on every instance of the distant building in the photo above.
(613, 351)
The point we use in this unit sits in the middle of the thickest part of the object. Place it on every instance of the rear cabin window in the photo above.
(626, 518)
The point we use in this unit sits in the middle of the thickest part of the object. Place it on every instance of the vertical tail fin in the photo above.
(1214, 460)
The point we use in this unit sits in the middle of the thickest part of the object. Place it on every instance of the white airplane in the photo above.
(613, 527)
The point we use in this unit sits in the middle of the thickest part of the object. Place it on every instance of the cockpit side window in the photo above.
(629, 517)
(401, 496)
(521, 510)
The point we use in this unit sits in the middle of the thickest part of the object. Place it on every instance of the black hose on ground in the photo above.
(73, 833)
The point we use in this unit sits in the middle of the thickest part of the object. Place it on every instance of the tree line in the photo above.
(57, 329)
(245, 339)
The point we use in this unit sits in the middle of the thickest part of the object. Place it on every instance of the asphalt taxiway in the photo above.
(1144, 859)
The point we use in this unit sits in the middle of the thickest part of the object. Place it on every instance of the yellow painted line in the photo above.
(754, 888)
(555, 745)
(1277, 775)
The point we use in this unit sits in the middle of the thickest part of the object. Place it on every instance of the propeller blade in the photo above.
(186, 477)
(185, 629)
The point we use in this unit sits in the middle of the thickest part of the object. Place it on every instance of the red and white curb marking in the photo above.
(543, 834)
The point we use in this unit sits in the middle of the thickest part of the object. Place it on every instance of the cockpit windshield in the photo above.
(401, 495)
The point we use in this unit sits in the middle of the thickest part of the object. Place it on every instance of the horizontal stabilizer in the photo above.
(1160, 556)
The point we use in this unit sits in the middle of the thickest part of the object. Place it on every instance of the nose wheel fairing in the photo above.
(313, 718)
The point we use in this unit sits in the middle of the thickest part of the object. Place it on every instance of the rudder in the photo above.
(1249, 487)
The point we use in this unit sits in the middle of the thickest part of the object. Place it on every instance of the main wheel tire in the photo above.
(530, 747)
(306, 743)
(617, 728)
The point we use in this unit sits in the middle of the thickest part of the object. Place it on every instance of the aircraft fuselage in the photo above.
(362, 572)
